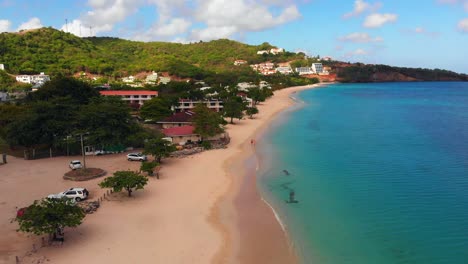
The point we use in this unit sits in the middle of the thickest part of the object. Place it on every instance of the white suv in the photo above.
(76, 194)
(75, 164)
(136, 156)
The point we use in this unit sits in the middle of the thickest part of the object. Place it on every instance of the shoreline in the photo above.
(247, 238)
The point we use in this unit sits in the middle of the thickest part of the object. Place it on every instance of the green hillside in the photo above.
(53, 51)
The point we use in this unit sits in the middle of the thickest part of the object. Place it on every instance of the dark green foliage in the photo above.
(159, 148)
(251, 111)
(6, 80)
(149, 167)
(155, 109)
(80, 92)
(234, 107)
(127, 180)
(49, 215)
(374, 73)
(207, 123)
(206, 145)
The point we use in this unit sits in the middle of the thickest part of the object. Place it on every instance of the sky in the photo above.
(407, 33)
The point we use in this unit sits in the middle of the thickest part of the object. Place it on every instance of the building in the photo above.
(240, 62)
(245, 86)
(327, 58)
(187, 104)
(152, 78)
(317, 68)
(129, 79)
(264, 84)
(33, 79)
(132, 97)
(185, 134)
(177, 120)
(164, 80)
(276, 51)
(304, 70)
(284, 70)
(247, 100)
(261, 52)
(2, 67)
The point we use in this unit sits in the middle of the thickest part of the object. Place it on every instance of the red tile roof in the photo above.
(181, 117)
(179, 131)
(136, 92)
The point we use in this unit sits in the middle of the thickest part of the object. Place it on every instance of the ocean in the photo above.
(379, 173)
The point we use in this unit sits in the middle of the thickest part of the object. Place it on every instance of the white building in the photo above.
(187, 104)
(2, 67)
(164, 80)
(304, 70)
(245, 86)
(260, 52)
(152, 78)
(132, 97)
(264, 84)
(284, 70)
(276, 51)
(129, 79)
(317, 68)
(240, 62)
(33, 79)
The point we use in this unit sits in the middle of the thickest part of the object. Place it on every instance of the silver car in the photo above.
(75, 164)
(136, 157)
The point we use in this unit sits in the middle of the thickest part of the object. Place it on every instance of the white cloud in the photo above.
(359, 37)
(5, 25)
(30, 24)
(225, 18)
(377, 20)
(421, 31)
(356, 53)
(360, 7)
(463, 25)
(161, 30)
(455, 2)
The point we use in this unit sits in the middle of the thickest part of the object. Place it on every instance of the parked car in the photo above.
(136, 156)
(75, 164)
(77, 194)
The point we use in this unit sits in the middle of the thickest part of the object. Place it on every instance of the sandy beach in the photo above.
(204, 209)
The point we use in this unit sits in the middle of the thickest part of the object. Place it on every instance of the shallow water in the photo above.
(380, 172)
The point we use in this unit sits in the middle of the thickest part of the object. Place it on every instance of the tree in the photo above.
(257, 95)
(251, 111)
(155, 109)
(234, 107)
(149, 167)
(159, 148)
(207, 123)
(49, 216)
(127, 180)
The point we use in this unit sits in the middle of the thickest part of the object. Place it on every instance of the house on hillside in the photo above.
(132, 97)
(188, 104)
(33, 79)
(317, 68)
(284, 70)
(129, 79)
(184, 118)
(2, 67)
(240, 62)
(152, 78)
(304, 70)
(261, 52)
(276, 51)
(164, 80)
(185, 134)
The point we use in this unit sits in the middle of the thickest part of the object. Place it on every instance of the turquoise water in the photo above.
(380, 172)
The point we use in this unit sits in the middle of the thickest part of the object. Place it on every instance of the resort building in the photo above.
(240, 62)
(247, 100)
(132, 97)
(177, 120)
(164, 80)
(129, 79)
(33, 79)
(261, 52)
(185, 134)
(264, 84)
(304, 70)
(187, 104)
(284, 70)
(317, 68)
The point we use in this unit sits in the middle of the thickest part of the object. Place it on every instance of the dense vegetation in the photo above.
(54, 52)
(376, 73)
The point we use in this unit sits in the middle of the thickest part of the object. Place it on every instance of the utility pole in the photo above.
(82, 151)
(66, 25)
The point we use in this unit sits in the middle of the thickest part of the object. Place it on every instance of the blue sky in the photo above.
(412, 33)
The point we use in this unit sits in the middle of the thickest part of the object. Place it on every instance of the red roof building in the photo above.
(132, 97)
(179, 131)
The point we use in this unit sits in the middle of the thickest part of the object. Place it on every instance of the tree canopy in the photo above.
(127, 180)
(48, 216)
(207, 123)
(155, 109)
(159, 148)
